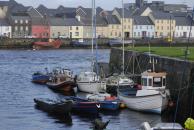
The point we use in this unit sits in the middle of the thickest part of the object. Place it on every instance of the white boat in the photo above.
(161, 126)
(90, 83)
(152, 96)
(114, 81)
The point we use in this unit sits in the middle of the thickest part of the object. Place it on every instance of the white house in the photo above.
(5, 28)
(143, 27)
(183, 26)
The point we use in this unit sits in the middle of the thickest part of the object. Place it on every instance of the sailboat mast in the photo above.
(92, 67)
(123, 37)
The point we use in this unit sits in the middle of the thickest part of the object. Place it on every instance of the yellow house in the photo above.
(127, 21)
(165, 24)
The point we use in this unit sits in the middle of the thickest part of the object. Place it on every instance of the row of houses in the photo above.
(19, 21)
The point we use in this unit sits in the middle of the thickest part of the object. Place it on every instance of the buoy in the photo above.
(122, 105)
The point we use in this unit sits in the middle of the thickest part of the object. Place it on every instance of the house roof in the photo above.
(127, 13)
(142, 20)
(72, 22)
(162, 15)
(4, 22)
(112, 19)
(183, 21)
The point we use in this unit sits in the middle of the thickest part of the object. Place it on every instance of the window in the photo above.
(76, 33)
(139, 34)
(16, 28)
(16, 21)
(157, 82)
(178, 27)
(124, 26)
(21, 28)
(150, 27)
(135, 34)
(129, 20)
(161, 33)
(164, 82)
(115, 33)
(148, 34)
(21, 21)
(147, 27)
(158, 27)
(157, 21)
(26, 21)
(140, 27)
(119, 34)
(149, 82)
(162, 27)
(144, 81)
(26, 28)
(161, 21)
(128, 26)
(117, 26)
(112, 26)
(182, 28)
(70, 27)
(111, 33)
(136, 27)
(77, 28)
(177, 34)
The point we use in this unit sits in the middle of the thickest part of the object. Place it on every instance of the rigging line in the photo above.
(92, 37)
(186, 54)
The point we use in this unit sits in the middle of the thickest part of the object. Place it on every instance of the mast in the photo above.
(123, 38)
(92, 67)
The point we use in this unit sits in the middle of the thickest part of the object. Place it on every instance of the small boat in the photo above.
(84, 106)
(54, 106)
(117, 80)
(40, 78)
(62, 80)
(47, 44)
(150, 97)
(161, 126)
(80, 43)
(118, 42)
(106, 101)
(89, 82)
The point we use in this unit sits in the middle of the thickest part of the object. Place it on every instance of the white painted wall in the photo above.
(179, 32)
(138, 29)
(5, 31)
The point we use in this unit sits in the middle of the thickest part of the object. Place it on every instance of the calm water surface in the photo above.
(17, 111)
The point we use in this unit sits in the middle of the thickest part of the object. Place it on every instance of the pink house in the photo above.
(40, 28)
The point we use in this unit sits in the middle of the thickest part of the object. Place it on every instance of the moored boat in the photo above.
(150, 97)
(161, 126)
(114, 81)
(47, 44)
(40, 78)
(54, 106)
(84, 106)
(106, 101)
(62, 80)
(89, 82)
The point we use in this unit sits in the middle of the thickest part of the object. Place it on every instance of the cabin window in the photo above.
(149, 82)
(21, 21)
(144, 81)
(164, 82)
(26, 21)
(157, 82)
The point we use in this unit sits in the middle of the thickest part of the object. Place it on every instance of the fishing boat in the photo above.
(151, 96)
(40, 77)
(106, 101)
(161, 126)
(62, 80)
(47, 44)
(114, 81)
(89, 82)
(54, 106)
(83, 106)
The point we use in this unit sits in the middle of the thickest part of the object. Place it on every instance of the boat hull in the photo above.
(154, 103)
(55, 107)
(46, 45)
(65, 86)
(109, 105)
(40, 79)
(91, 87)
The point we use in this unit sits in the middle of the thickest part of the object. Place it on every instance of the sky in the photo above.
(105, 4)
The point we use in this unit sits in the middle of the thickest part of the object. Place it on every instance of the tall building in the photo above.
(139, 3)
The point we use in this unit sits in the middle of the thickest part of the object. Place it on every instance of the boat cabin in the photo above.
(88, 77)
(153, 80)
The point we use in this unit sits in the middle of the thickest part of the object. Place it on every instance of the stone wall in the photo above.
(180, 75)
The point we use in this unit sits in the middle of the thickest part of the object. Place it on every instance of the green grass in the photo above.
(177, 52)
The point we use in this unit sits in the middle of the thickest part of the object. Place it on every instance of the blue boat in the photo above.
(109, 105)
(84, 106)
(40, 78)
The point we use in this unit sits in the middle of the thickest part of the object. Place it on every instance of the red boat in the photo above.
(45, 45)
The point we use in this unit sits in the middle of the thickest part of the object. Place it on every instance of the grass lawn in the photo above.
(177, 52)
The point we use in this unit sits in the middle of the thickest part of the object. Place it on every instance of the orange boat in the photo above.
(45, 45)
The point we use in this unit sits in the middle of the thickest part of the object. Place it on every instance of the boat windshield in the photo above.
(157, 82)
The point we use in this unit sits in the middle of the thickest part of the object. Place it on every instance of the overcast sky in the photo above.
(106, 4)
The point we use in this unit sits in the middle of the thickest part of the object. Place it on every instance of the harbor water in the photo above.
(17, 108)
